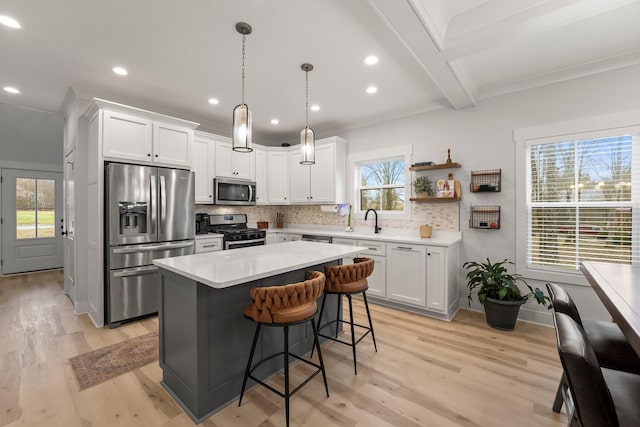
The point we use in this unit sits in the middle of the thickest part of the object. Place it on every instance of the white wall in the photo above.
(482, 138)
(30, 136)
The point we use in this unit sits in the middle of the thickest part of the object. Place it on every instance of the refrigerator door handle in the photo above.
(152, 205)
(162, 247)
(163, 203)
(138, 271)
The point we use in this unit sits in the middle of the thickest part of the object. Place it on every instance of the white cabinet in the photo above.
(323, 182)
(139, 139)
(288, 237)
(203, 167)
(278, 177)
(376, 250)
(207, 243)
(127, 137)
(442, 291)
(233, 164)
(378, 279)
(406, 273)
(172, 145)
(271, 239)
(262, 176)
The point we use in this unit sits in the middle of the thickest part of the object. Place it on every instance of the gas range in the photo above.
(235, 232)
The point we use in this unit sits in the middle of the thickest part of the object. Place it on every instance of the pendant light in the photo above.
(241, 114)
(307, 143)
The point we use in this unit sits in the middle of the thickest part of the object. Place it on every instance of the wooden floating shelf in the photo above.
(435, 199)
(432, 167)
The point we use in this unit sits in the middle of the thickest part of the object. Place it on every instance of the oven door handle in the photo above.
(131, 250)
(243, 243)
(138, 271)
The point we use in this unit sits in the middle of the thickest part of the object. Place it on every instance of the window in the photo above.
(382, 185)
(580, 202)
(379, 178)
(35, 208)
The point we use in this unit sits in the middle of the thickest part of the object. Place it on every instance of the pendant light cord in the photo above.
(243, 42)
(306, 110)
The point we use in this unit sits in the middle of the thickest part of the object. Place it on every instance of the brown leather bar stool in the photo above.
(348, 279)
(607, 340)
(602, 397)
(285, 306)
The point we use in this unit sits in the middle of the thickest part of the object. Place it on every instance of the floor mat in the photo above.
(109, 362)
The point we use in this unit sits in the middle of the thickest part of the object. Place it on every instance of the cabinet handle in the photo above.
(156, 155)
(210, 196)
(403, 248)
(210, 246)
(429, 253)
(148, 154)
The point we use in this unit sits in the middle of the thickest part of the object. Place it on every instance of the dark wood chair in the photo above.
(602, 397)
(285, 306)
(607, 340)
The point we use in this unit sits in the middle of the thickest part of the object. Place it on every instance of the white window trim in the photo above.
(404, 151)
(524, 136)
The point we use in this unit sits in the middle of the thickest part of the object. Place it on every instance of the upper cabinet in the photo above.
(232, 164)
(278, 180)
(141, 139)
(262, 177)
(127, 137)
(323, 182)
(203, 166)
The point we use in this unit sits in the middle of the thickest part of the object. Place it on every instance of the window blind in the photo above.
(582, 201)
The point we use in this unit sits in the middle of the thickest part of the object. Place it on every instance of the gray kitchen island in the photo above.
(204, 337)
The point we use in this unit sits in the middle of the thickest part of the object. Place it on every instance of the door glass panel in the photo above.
(45, 207)
(35, 208)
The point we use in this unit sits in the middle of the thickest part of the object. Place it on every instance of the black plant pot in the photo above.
(502, 315)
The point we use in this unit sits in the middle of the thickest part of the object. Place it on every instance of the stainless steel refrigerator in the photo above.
(149, 215)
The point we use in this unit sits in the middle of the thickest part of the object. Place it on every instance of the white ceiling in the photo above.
(433, 54)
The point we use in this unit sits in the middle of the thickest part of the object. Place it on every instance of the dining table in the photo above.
(618, 287)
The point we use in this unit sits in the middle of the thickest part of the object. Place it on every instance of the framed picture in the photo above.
(446, 188)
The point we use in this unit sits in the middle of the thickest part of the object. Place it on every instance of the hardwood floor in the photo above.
(426, 373)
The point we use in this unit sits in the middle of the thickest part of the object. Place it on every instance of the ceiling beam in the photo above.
(404, 21)
(503, 21)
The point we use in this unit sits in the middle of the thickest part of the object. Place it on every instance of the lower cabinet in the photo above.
(208, 243)
(406, 273)
(376, 250)
(287, 237)
(442, 284)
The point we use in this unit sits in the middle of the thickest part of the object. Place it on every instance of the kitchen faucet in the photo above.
(375, 227)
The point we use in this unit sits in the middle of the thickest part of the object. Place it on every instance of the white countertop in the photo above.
(439, 237)
(228, 268)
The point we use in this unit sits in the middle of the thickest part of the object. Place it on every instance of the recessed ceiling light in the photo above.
(9, 22)
(214, 101)
(315, 107)
(371, 60)
(120, 71)
(372, 89)
(11, 89)
(275, 121)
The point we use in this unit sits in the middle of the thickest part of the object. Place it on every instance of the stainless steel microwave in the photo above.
(229, 191)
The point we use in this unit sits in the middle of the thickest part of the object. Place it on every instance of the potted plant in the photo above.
(422, 186)
(498, 292)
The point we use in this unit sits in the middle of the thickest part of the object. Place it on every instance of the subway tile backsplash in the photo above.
(441, 216)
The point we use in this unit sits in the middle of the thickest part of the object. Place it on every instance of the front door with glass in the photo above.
(31, 217)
